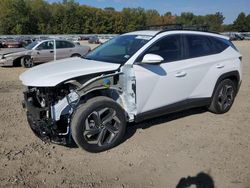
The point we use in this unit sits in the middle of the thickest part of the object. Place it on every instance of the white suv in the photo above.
(133, 77)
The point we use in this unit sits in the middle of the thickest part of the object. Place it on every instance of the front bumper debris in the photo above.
(44, 132)
(44, 128)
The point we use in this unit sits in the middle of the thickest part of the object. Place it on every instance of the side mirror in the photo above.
(152, 59)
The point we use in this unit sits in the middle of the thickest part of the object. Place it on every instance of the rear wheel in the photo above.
(76, 55)
(223, 97)
(27, 62)
(98, 125)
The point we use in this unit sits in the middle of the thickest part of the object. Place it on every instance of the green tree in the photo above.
(153, 17)
(69, 17)
(241, 22)
(15, 17)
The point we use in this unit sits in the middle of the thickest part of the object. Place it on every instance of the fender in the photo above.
(235, 75)
(100, 82)
(69, 102)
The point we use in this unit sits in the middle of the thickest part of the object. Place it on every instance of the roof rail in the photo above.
(164, 27)
(169, 27)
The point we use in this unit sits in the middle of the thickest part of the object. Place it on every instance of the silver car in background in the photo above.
(41, 52)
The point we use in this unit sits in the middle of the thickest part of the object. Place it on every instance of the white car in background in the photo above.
(41, 52)
(104, 39)
(134, 77)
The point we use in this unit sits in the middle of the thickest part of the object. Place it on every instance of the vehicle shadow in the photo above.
(132, 127)
(201, 180)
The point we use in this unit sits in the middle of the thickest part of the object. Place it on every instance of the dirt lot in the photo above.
(156, 153)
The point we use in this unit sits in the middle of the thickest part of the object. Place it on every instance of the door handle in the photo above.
(181, 74)
(51, 51)
(219, 66)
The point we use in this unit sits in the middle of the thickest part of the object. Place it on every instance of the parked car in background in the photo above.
(93, 40)
(42, 51)
(104, 39)
(84, 38)
(26, 42)
(12, 43)
(246, 36)
(236, 36)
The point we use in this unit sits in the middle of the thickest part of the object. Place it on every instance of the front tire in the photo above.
(223, 97)
(27, 62)
(98, 125)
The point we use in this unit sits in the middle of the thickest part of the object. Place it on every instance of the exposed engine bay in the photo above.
(49, 109)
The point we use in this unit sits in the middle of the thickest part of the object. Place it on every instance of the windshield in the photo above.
(31, 45)
(119, 49)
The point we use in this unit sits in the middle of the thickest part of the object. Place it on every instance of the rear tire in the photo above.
(27, 62)
(98, 125)
(223, 97)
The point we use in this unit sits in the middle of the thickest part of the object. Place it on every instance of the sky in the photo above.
(229, 8)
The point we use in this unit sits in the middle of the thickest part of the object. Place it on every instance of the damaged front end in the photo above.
(40, 104)
(50, 109)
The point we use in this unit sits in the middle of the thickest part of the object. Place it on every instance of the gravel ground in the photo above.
(156, 153)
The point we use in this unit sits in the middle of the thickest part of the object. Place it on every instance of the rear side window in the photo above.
(64, 44)
(69, 44)
(198, 45)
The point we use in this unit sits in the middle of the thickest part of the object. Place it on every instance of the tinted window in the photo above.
(64, 44)
(169, 48)
(220, 44)
(69, 44)
(198, 45)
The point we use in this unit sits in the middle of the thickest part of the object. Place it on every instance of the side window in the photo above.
(48, 45)
(198, 45)
(64, 44)
(69, 44)
(220, 44)
(169, 48)
(60, 44)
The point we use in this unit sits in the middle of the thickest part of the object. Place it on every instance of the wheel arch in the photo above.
(113, 94)
(17, 61)
(75, 55)
(233, 75)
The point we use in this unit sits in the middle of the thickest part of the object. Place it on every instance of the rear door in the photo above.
(64, 49)
(203, 61)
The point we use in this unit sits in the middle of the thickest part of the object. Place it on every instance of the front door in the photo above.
(44, 52)
(169, 82)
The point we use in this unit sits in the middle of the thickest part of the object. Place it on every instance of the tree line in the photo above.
(69, 17)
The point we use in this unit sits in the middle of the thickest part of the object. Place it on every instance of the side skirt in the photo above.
(176, 107)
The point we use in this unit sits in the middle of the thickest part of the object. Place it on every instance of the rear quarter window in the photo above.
(219, 44)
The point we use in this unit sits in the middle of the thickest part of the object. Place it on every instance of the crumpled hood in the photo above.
(9, 51)
(52, 73)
